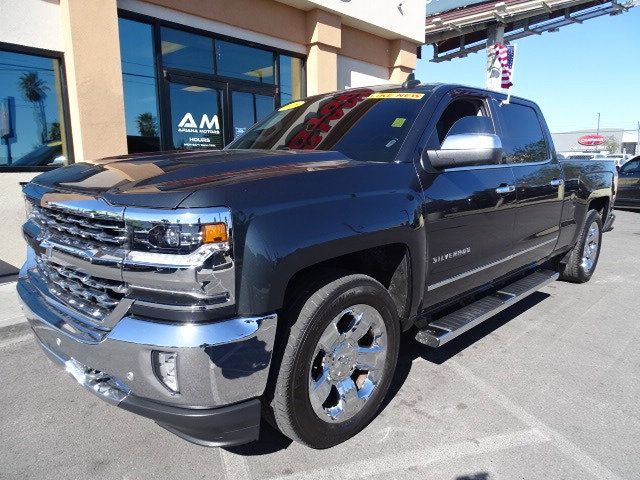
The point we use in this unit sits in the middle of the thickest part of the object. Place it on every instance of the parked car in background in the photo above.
(619, 158)
(629, 184)
(48, 154)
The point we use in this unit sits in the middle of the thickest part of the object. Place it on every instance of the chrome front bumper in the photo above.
(218, 364)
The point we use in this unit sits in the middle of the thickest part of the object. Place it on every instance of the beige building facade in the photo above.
(85, 79)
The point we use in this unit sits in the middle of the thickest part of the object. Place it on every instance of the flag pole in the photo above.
(513, 69)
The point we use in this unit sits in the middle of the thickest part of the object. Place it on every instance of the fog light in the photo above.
(164, 365)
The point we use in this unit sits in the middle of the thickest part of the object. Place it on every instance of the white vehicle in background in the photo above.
(581, 156)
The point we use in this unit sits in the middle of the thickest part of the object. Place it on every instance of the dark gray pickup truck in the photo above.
(273, 278)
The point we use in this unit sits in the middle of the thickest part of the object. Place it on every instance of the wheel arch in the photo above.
(388, 264)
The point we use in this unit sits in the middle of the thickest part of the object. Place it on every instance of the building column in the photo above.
(324, 38)
(94, 78)
(402, 60)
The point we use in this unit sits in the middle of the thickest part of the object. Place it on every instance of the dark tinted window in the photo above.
(247, 63)
(264, 106)
(292, 80)
(249, 108)
(32, 132)
(351, 122)
(631, 167)
(186, 51)
(195, 116)
(522, 140)
(139, 81)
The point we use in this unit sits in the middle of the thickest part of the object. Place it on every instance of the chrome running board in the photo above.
(446, 328)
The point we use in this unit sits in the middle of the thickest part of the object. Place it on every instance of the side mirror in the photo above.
(465, 149)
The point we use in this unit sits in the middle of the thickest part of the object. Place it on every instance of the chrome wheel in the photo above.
(590, 251)
(348, 363)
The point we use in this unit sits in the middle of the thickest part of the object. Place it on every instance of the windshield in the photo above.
(361, 123)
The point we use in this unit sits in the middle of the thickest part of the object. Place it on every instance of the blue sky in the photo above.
(572, 74)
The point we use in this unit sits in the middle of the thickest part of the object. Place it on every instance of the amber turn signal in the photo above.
(214, 233)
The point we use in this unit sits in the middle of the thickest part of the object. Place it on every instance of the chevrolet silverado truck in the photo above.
(207, 290)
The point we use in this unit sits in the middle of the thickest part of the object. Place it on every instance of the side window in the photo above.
(631, 167)
(523, 140)
(455, 111)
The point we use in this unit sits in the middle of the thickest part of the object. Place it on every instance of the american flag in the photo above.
(505, 54)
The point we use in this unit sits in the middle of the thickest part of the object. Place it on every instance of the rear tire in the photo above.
(338, 362)
(583, 258)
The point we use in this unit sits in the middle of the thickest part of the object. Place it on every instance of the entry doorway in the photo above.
(206, 113)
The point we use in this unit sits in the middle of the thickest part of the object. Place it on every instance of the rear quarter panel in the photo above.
(585, 180)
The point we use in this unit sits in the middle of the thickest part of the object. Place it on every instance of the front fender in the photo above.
(279, 242)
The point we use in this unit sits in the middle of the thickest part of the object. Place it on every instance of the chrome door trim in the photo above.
(475, 167)
(488, 265)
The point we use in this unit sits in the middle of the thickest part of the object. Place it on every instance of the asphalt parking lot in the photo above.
(548, 389)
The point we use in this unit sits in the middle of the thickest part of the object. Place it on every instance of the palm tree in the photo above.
(147, 125)
(34, 91)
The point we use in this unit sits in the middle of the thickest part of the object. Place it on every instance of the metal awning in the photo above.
(456, 33)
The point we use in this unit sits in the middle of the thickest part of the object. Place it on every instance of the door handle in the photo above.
(556, 182)
(505, 189)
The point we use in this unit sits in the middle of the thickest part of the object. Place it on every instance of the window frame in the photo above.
(158, 23)
(543, 128)
(64, 117)
(449, 97)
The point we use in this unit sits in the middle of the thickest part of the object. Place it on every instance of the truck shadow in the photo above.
(411, 350)
(273, 441)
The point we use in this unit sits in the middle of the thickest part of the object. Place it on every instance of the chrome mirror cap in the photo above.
(465, 149)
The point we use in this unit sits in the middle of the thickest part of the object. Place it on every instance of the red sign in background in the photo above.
(591, 140)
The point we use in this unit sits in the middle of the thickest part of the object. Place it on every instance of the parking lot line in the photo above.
(421, 457)
(569, 449)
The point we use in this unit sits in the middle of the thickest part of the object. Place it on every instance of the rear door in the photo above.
(468, 211)
(539, 181)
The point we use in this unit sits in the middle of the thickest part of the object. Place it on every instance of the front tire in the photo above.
(338, 362)
(583, 259)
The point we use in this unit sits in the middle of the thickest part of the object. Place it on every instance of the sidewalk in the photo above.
(10, 312)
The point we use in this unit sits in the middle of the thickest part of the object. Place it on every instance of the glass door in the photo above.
(248, 108)
(196, 113)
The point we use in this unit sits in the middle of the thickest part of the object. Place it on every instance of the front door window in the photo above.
(196, 116)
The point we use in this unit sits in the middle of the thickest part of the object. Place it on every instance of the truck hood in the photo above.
(165, 180)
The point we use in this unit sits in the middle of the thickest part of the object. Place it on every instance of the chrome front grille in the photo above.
(91, 286)
(92, 297)
(84, 265)
(80, 229)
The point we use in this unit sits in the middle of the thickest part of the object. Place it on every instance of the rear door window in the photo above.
(523, 140)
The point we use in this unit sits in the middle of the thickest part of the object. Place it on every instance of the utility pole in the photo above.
(598, 130)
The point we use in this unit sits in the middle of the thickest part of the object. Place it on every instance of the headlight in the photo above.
(176, 232)
(176, 238)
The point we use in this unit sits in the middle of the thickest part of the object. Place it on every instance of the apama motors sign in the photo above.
(591, 140)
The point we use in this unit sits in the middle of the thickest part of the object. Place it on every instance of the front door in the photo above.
(468, 211)
(197, 119)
